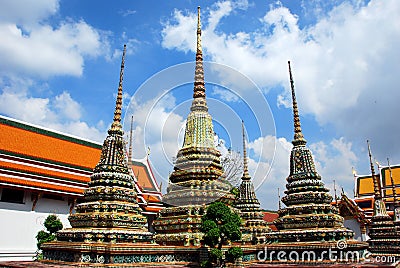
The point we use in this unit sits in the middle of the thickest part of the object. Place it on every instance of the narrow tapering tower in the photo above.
(308, 221)
(254, 227)
(383, 237)
(198, 177)
(298, 134)
(396, 204)
(379, 205)
(109, 214)
(130, 142)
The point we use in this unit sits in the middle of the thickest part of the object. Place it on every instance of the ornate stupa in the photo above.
(384, 239)
(254, 227)
(309, 223)
(198, 176)
(109, 216)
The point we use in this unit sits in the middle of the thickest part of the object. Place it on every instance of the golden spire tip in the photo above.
(116, 125)
(298, 135)
(245, 164)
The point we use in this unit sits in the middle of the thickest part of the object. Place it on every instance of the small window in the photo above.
(12, 196)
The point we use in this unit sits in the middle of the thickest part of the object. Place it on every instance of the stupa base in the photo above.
(179, 239)
(134, 254)
(119, 254)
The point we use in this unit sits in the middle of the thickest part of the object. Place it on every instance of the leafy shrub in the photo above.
(234, 253)
(216, 254)
(220, 225)
(52, 224)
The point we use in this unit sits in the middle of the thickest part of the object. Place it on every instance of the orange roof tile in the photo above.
(44, 172)
(365, 186)
(143, 176)
(38, 143)
(270, 216)
(34, 157)
(40, 185)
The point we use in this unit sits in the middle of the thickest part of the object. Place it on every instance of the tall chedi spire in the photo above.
(130, 142)
(246, 175)
(308, 221)
(298, 134)
(198, 176)
(198, 161)
(109, 213)
(199, 128)
(379, 205)
(384, 240)
(254, 227)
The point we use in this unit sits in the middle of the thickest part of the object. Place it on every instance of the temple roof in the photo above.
(349, 207)
(364, 185)
(270, 217)
(41, 159)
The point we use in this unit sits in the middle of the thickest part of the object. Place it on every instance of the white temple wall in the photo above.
(19, 225)
(355, 226)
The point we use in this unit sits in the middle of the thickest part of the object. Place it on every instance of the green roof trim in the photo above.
(46, 132)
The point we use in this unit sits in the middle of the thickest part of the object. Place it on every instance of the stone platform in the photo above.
(359, 265)
(121, 254)
(35, 264)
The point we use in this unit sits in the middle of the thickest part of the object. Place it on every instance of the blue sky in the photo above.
(60, 69)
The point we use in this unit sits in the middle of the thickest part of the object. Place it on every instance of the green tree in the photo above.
(220, 226)
(52, 224)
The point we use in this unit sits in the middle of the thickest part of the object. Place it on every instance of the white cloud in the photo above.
(344, 63)
(32, 47)
(79, 129)
(26, 108)
(334, 161)
(158, 127)
(178, 37)
(269, 166)
(67, 107)
(61, 113)
(127, 12)
(27, 12)
(225, 94)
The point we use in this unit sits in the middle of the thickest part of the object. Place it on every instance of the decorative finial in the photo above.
(116, 125)
(199, 91)
(354, 171)
(374, 178)
(245, 164)
(279, 200)
(130, 142)
(334, 190)
(199, 49)
(298, 135)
